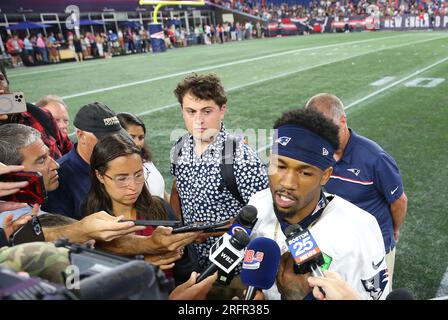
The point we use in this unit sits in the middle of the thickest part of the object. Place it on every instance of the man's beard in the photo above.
(284, 214)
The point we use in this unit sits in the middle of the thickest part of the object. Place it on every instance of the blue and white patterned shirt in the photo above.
(198, 178)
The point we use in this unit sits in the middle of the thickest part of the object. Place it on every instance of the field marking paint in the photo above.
(396, 83)
(443, 287)
(373, 94)
(382, 82)
(424, 82)
(285, 74)
(227, 64)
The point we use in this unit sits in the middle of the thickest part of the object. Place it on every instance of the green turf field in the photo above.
(266, 77)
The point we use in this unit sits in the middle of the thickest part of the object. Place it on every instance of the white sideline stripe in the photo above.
(284, 75)
(88, 63)
(124, 85)
(381, 90)
(85, 63)
(382, 82)
(443, 287)
(396, 83)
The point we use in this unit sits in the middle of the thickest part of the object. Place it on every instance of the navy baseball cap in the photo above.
(98, 119)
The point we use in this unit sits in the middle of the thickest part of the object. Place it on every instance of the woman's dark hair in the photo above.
(106, 150)
(128, 119)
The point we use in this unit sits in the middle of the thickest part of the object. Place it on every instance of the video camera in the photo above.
(97, 275)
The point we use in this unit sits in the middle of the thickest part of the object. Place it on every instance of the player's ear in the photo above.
(326, 176)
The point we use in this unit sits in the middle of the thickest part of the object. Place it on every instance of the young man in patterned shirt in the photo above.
(198, 194)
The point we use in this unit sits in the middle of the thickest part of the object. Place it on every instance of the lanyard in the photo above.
(310, 219)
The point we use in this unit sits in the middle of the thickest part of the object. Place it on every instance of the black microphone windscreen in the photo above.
(291, 229)
(248, 215)
(240, 240)
(400, 294)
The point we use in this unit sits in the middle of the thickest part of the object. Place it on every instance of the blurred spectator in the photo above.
(58, 109)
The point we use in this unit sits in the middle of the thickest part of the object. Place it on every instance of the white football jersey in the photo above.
(349, 237)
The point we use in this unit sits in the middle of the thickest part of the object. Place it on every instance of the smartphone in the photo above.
(214, 227)
(29, 232)
(12, 103)
(33, 193)
(155, 223)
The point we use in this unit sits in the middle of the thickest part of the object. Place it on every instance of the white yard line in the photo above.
(287, 74)
(373, 94)
(395, 83)
(227, 64)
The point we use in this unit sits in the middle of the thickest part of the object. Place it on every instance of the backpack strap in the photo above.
(227, 172)
(177, 152)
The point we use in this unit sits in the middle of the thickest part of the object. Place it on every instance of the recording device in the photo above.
(108, 276)
(33, 193)
(225, 254)
(304, 251)
(155, 223)
(12, 103)
(134, 280)
(244, 221)
(29, 232)
(214, 227)
(260, 265)
(17, 287)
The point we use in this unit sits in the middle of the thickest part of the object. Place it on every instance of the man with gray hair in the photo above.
(365, 175)
(58, 109)
(22, 145)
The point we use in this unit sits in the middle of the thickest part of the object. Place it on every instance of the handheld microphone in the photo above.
(244, 221)
(225, 254)
(260, 265)
(305, 251)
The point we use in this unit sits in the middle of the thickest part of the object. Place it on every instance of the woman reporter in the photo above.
(118, 187)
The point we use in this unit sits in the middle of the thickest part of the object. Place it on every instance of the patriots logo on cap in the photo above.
(283, 140)
(325, 152)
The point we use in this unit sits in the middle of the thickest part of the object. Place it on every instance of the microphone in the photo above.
(305, 251)
(400, 294)
(225, 254)
(260, 265)
(244, 221)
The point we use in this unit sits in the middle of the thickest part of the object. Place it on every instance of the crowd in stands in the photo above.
(39, 49)
(336, 8)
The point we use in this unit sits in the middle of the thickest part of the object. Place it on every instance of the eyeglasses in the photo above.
(123, 181)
